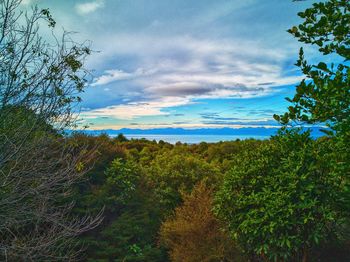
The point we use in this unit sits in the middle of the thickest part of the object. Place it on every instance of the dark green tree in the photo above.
(131, 216)
(283, 199)
(324, 95)
(121, 138)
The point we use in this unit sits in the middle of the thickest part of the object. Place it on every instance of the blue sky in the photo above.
(184, 63)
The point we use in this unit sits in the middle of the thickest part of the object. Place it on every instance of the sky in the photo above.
(184, 63)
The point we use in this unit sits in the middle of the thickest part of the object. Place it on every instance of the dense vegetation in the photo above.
(283, 195)
(140, 183)
(282, 199)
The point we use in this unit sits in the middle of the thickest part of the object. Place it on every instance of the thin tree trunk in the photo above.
(305, 255)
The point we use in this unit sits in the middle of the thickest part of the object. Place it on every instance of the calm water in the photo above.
(194, 139)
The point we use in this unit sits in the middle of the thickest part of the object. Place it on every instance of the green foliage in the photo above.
(121, 180)
(139, 183)
(128, 235)
(309, 181)
(174, 172)
(283, 199)
(324, 96)
(22, 119)
(286, 193)
(121, 138)
(110, 189)
(326, 25)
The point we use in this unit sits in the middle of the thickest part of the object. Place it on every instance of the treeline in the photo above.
(229, 201)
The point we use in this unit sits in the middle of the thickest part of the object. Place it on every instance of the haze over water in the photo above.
(193, 139)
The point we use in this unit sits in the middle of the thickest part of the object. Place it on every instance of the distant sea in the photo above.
(194, 136)
(192, 139)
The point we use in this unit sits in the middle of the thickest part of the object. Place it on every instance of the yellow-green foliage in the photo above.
(194, 234)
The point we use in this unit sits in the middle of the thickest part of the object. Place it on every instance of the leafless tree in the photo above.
(40, 82)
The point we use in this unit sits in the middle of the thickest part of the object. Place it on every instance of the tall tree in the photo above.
(324, 95)
(283, 199)
(39, 85)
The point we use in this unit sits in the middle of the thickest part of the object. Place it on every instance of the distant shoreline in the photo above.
(192, 139)
(193, 136)
(245, 131)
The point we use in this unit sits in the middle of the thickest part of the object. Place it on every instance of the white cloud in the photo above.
(136, 109)
(147, 47)
(88, 7)
(174, 71)
(113, 75)
(198, 66)
(193, 125)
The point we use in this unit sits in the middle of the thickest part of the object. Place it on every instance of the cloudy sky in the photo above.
(184, 63)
